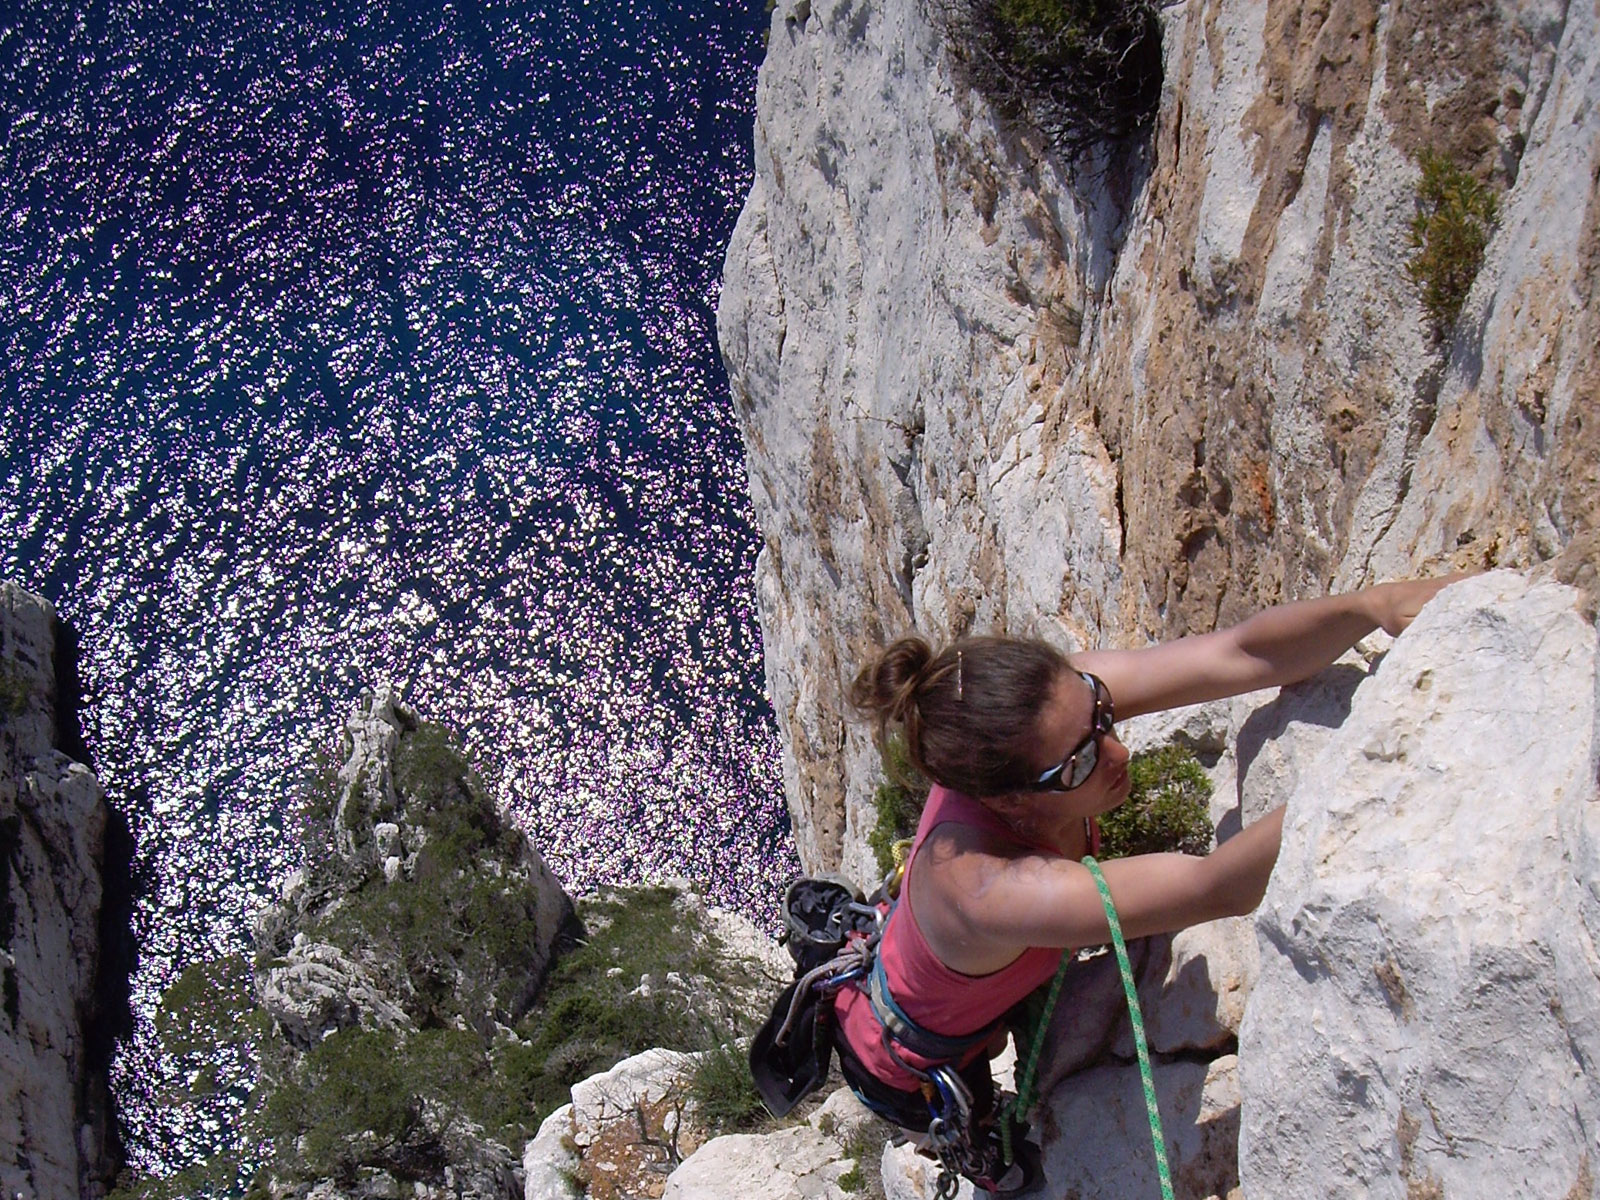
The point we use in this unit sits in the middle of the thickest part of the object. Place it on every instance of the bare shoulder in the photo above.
(966, 882)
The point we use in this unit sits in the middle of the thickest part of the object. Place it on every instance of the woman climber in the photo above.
(1020, 744)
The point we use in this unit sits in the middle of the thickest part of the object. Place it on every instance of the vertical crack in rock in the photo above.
(68, 694)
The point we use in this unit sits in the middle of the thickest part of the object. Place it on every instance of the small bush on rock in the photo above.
(1085, 72)
(898, 800)
(724, 1094)
(594, 1011)
(14, 690)
(1455, 218)
(1166, 808)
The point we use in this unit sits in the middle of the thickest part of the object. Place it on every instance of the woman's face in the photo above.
(1067, 719)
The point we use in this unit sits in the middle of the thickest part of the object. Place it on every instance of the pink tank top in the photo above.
(939, 999)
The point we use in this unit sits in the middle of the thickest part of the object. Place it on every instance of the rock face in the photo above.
(57, 1127)
(1415, 1009)
(981, 391)
(1427, 1018)
(393, 970)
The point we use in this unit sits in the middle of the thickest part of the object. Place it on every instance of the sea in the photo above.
(353, 343)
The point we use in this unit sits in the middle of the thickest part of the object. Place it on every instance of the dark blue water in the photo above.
(371, 342)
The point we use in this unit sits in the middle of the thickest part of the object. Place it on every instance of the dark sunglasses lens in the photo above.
(1084, 763)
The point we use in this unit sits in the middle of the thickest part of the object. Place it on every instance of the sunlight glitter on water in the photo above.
(381, 348)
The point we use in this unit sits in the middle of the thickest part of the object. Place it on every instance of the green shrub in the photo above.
(1166, 808)
(589, 1015)
(349, 1103)
(14, 690)
(724, 1094)
(316, 797)
(428, 767)
(1455, 217)
(1085, 72)
(210, 1004)
(852, 1180)
(898, 801)
(865, 1176)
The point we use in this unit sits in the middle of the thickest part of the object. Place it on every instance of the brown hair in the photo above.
(967, 712)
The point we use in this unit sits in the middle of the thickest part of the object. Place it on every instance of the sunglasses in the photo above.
(1081, 761)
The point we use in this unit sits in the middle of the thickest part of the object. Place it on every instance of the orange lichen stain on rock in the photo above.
(1257, 480)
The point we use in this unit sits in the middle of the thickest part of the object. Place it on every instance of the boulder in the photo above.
(1096, 1137)
(800, 1163)
(1427, 1014)
(550, 1161)
(645, 1080)
(317, 988)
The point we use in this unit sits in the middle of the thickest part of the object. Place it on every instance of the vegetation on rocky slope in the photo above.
(1456, 215)
(480, 1052)
(1085, 72)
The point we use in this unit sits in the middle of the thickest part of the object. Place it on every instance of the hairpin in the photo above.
(958, 674)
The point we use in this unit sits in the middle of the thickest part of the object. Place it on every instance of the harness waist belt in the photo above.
(908, 1033)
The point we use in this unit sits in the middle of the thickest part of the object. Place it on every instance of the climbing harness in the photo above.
(833, 936)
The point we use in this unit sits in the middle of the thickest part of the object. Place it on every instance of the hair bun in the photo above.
(885, 690)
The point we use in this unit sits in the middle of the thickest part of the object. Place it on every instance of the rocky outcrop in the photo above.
(981, 391)
(58, 994)
(393, 972)
(629, 1128)
(1415, 1010)
(816, 1160)
(1427, 1020)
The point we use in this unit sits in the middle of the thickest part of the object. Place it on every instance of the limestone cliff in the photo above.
(1415, 1011)
(63, 987)
(981, 390)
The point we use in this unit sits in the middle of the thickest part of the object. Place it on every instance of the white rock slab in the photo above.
(646, 1078)
(549, 1161)
(801, 1163)
(1428, 1010)
(908, 1175)
(1096, 1139)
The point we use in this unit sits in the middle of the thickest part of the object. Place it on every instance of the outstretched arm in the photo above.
(1276, 646)
(1048, 901)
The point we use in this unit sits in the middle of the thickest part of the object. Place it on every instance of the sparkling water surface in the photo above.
(364, 342)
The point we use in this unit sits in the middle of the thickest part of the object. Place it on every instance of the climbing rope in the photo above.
(1024, 1097)
(1023, 1100)
(1137, 1017)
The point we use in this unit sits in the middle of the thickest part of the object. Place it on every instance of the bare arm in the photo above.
(1045, 901)
(1276, 646)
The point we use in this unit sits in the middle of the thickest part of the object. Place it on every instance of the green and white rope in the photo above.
(1157, 1139)
(1023, 1100)
(1024, 1097)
